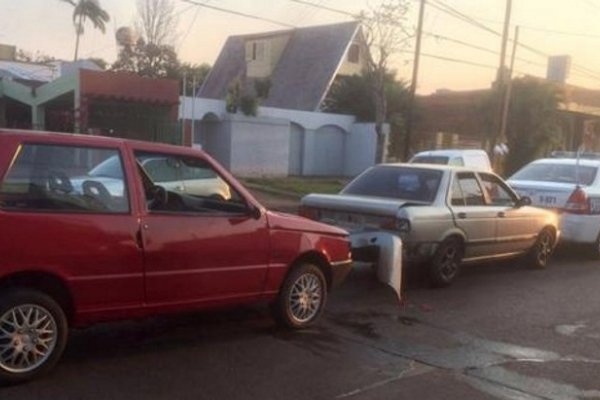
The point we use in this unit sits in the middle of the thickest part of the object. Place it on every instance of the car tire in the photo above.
(33, 335)
(302, 297)
(445, 265)
(540, 253)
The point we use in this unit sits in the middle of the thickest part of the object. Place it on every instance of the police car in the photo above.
(568, 183)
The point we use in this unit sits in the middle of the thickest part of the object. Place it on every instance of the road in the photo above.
(502, 331)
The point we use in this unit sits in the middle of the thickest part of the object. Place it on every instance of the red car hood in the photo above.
(291, 222)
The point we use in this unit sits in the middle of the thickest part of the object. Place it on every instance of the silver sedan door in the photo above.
(517, 227)
(473, 216)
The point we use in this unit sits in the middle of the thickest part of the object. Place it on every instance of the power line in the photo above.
(457, 41)
(189, 28)
(540, 29)
(451, 59)
(305, 14)
(184, 10)
(239, 13)
(582, 72)
(476, 47)
(546, 30)
(461, 16)
(322, 7)
(457, 60)
(465, 18)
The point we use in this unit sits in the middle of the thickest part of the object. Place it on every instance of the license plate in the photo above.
(547, 201)
(351, 221)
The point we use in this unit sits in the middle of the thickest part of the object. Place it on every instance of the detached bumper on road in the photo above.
(384, 250)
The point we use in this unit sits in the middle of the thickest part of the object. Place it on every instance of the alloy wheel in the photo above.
(449, 263)
(28, 335)
(305, 297)
(544, 248)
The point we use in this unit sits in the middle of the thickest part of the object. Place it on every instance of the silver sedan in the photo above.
(446, 216)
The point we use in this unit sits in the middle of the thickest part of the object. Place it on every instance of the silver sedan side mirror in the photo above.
(523, 201)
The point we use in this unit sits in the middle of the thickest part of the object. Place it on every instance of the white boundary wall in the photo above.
(281, 142)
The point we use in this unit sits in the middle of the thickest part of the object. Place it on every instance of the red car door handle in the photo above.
(139, 240)
(501, 214)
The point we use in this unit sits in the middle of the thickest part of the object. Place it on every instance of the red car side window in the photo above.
(60, 178)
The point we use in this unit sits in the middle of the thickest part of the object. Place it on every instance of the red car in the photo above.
(87, 236)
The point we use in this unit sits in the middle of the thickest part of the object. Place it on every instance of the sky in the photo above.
(547, 27)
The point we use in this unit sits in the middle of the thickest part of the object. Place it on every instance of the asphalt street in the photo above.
(502, 331)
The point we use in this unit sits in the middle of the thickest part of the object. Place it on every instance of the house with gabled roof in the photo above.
(299, 64)
(289, 135)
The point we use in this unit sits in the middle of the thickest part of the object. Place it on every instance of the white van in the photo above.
(476, 159)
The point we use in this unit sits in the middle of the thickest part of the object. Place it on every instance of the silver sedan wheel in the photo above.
(305, 297)
(449, 262)
(28, 336)
(544, 248)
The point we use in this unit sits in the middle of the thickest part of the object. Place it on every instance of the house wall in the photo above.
(282, 142)
(324, 151)
(259, 145)
(360, 149)
(296, 156)
(215, 138)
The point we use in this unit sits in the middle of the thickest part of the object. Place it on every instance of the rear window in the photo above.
(430, 160)
(560, 173)
(62, 178)
(397, 183)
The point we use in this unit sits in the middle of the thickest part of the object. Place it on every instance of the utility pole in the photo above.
(506, 103)
(183, 108)
(193, 108)
(413, 83)
(501, 79)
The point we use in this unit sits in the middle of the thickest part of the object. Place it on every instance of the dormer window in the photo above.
(263, 54)
(354, 53)
(256, 50)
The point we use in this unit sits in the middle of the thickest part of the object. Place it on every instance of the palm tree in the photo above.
(87, 9)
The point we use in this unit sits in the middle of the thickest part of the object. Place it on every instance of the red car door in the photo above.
(67, 211)
(200, 247)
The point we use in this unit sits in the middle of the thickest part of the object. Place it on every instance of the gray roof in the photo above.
(305, 70)
(43, 72)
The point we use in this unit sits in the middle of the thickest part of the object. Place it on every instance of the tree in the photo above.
(385, 34)
(37, 57)
(533, 127)
(148, 60)
(354, 95)
(101, 62)
(157, 21)
(84, 10)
